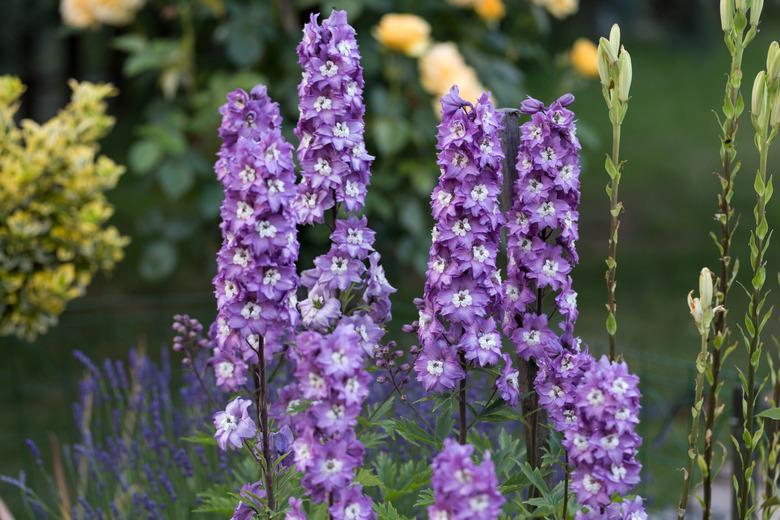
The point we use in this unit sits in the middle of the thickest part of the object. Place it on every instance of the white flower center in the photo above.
(546, 209)
(591, 485)
(460, 160)
(225, 369)
(271, 277)
(550, 268)
(444, 198)
(344, 47)
(532, 337)
(231, 289)
(457, 129)
(333, 466)
(354, 236)
(241, 257)
(488, 341)
(439, 265)
(338, 265)
(247, 175)
(462, 298)
(243, 210)
(228, 423)
(595, 397)
(461, 227)
(322, 103)
(352, 189)
(251, 310)
(435, 367)
(265, 229)
(322, 167)
(341, 130)
(479, 193)
(479, 503)
(620, 386)
(480, 253)
(329, 69)
(275, 186)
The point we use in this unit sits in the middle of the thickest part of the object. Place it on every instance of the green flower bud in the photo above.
(614, 40)
(624, 75)
(773, 62)
(606, 48)
(603, 61)
(755, 11)
(701, 307)
(742, 5)
(726, 15)
(774, 117)
(759, 97)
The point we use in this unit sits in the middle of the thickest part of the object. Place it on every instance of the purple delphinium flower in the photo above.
(251, 501)
(295, 512)
(625, 510)
(256, 280)
(234, 425)
(462, 292)
(603, 446)
(335, 165)
(461, 488)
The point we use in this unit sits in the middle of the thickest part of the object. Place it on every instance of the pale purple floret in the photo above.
(234, 425)
(461, 488)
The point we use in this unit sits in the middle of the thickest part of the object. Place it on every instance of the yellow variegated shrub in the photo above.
(53, 213)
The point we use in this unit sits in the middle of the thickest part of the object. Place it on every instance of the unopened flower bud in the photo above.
(773, 62)
(756, 7)
(758, 98)
(624, 76)
(614, 39)
(726, 14)
(741, 5)
(602, 62)
(774, 117)
(701, 307)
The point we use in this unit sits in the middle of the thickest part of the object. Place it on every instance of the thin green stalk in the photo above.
(614, 225)
(732, 110)
(693, 436)
(765, 115)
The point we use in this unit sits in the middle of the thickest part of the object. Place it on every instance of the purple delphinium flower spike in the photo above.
(234, 425)
(462, 294)
(335, 166)
(256, 280)
(603, 446)
(461, 488)
(251, 502)
(347, 299)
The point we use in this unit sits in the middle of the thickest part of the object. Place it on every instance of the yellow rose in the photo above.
(77, 13)
(115, 12)
(584, 58)
(439, 66)
(407, 33)
(490, 10)
(561, 8)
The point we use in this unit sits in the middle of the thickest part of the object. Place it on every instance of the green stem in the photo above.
(693, 437)
(613, 237)
(728, 154)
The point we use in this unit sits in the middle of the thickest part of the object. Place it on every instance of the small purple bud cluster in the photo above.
(603, 447)
(462, 489)
(332, 385)
(234, 425)
(189, 335)
(256, 280)
(335, 165)
(626, 510)
(462, 294)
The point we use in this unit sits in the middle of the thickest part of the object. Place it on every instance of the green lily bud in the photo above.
(614, 40)
(606, 47)
(759, 97)
(726, 15)
(742, 5)
(624, 75)
(602, 60)
(774, 117)
(701, 307)
(755, 11)
(773, 62)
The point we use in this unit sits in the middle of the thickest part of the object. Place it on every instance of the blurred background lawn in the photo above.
(168, 202)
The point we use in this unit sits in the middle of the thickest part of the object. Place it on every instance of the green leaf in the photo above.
(158, 260)
(143, 156)
(611, 324)
(366, 478)
(771, 413)
(176, 178)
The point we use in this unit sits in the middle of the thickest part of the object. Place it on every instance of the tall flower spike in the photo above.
(542, 230)
(348, 295)
(462, 295)
(256, 279)
(335, 165)
(462, 489)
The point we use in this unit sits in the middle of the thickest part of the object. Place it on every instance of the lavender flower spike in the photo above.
(462, 489)
(256, 280)
(462, 295)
